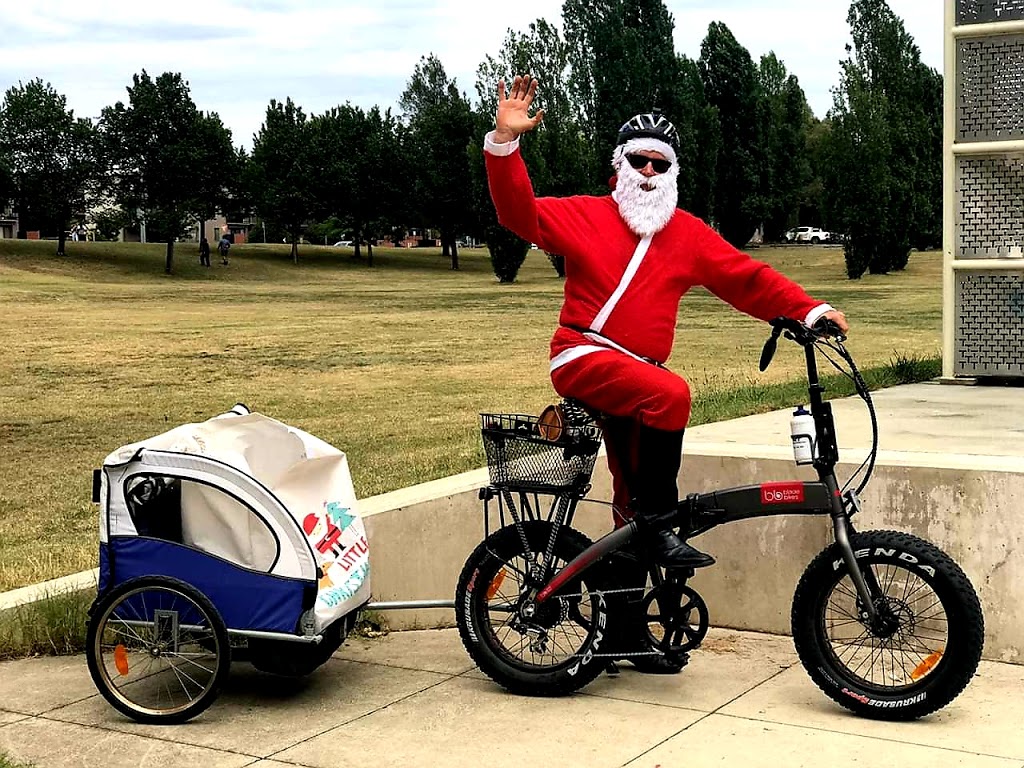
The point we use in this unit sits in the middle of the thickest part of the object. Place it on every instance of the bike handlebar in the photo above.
(799, 333)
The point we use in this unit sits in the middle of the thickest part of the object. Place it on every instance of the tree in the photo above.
(7, 189)
(281, 176)
(813, 209)
(700, 140)
(107, 222)
(360, 171)
(730, 84)
(440, 131)
(558, 152)
(170, 164)
(885, 148)
(786, 169)
(50, 157)
(623, 63)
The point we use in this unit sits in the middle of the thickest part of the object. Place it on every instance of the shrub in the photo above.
(508, 252)
(53, 626)
(558, 262)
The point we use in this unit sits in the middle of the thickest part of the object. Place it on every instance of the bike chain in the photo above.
(631, 655)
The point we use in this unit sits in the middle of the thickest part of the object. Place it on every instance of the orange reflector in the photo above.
(926, 666)
(496, 584)
(121, 659)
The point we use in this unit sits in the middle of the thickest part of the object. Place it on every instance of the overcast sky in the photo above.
(238, 54)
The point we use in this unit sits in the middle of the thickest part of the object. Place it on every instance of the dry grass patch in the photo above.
(391, 364)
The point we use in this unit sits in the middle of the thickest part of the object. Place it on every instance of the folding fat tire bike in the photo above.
(884, 622)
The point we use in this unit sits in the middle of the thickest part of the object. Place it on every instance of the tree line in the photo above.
(753, 156)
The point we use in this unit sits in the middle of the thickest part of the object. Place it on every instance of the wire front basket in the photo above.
(523, 455)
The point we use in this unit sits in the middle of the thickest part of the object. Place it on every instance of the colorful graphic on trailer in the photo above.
(340, 539)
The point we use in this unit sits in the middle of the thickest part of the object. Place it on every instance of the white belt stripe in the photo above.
(568, 355)
(627, 278)
(574, 353)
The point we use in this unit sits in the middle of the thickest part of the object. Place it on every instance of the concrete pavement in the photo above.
(415, 699)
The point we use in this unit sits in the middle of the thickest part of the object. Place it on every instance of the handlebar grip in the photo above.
(827, 327)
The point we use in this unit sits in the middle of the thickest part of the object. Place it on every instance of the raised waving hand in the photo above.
(513, 116)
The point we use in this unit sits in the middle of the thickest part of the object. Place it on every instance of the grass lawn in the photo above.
(391, 364)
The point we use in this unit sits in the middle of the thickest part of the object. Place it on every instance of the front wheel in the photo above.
(551, 649)
(919, 652)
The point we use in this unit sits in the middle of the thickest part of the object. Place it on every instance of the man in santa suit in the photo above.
(629, 258)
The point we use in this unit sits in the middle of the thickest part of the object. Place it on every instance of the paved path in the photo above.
(415, 699)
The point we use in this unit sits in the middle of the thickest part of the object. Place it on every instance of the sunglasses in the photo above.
(640, 162)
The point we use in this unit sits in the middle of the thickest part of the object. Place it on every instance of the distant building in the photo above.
(8, 222)
(237, 231)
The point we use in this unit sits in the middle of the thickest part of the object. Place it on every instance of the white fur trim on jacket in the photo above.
(500, 150)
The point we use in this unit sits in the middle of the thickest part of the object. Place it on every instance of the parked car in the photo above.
(808, 235)
(343, 244)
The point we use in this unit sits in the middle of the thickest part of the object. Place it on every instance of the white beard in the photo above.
(645, 204)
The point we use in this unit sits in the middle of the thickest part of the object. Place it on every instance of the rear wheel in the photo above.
(554, 650)
(157, 650)
(920, 651)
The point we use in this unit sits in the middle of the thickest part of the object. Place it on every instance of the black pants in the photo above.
(646, 461)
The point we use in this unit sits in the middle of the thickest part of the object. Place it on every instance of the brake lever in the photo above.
(768, 352)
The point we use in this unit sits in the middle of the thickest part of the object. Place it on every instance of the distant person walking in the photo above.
(204, 252)
(224, 246)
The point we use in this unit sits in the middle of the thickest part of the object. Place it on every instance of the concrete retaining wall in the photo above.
(421, 536)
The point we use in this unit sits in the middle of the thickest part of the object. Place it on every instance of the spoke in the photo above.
(129, 629)
(502, 607)
(188, 660)
(843, 589)
(179, 674)
(921, 585)
(931, 605)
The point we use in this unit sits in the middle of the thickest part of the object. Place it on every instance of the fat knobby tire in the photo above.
(474, 626)
(966, 627)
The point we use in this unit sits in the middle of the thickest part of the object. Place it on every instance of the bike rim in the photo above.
(158, 651)
(567, 623)
(905, 659)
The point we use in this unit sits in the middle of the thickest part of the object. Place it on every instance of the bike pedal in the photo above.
(682, 572)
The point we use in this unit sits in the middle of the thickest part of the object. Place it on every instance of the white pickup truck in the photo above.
(807, 235)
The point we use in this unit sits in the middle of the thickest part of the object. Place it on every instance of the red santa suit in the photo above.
(622, 293)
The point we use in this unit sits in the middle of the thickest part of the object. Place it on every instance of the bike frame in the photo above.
(700, 512)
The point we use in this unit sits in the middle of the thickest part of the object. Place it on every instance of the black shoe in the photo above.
(670, 551)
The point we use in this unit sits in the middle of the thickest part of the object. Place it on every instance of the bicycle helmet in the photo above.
(649, 125)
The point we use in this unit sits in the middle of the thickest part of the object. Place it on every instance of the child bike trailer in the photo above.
(235, 536)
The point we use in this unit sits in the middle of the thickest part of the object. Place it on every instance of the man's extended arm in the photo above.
(754, 287)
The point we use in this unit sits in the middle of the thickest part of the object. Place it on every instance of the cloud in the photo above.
(238, 54)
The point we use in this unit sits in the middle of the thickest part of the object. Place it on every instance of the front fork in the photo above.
(865, 583)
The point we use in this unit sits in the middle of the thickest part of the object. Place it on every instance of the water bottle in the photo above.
(801, 426)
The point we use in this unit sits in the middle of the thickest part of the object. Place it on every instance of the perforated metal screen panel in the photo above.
(989, 206)
(990, 88)
(980, 11)
(989, 334)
